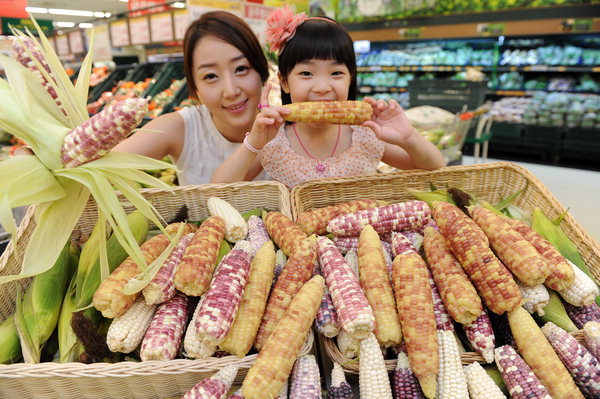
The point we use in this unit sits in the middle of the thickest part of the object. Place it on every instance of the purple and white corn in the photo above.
(404, 382)
(517, 375)
(162, 287)
(408, 215)
(280, 261)
(326, 322)
(339, 389)
(306, 381)
(591, 335)
(582, 365)
(443, 321)
(351, 259)
(257, 232)
(481, 336)
(582, 314)
(163, 336)
(215, 387)
(98, 135)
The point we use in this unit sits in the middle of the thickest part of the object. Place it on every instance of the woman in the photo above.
(225, 69)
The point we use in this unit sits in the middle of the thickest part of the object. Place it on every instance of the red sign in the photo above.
(13, 8)
(142, 6)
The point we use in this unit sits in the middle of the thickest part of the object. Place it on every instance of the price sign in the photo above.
(161, 27)
(119, 33)
(102, 48)
(62, 45)
(181, 21)
(76, 41)
(139, 29)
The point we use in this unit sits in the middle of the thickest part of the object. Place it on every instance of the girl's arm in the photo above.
(405, 148)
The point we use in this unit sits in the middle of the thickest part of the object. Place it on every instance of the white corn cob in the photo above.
(348, 345)
(372, 374)
(481, 385)
(517, 376)
(481, 336)
(404, 382)
(339, 388)
(257, 232)
(214, 387)
(192, 345)
(351, 258)
(582, 365)
(583, 291)
(451, 381)
(236, 228)
(306, 381)
(163, 336)
(162, 286)
(127, 331)
(591, 334)
(535, 298)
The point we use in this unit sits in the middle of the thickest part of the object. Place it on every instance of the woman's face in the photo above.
(227, 84)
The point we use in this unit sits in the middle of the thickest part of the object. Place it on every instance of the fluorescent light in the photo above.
(100, 14)
(178, 4)
(78, 13)
(86, 25)
(107, 15)
(36, 10)
(64, 24)
(124, 1)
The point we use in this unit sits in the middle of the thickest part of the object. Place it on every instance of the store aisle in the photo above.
(576, 189)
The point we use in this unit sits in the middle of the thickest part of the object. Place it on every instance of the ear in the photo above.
(283, 83)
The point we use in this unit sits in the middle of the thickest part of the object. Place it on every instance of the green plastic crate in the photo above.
(451, 95)
(162, 80)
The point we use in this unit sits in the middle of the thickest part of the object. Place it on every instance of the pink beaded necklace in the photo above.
(320, 167)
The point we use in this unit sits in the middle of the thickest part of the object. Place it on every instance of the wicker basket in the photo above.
(152, 379)
(492, 182)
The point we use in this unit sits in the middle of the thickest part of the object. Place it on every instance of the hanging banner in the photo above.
(25, 23)
(299, 5)
(161, 27)
(76, 42)
(138, 8)
(181, 21)
(256, 16)
(62, 45)
(119, 33)
(199, 7)
(13, 8)
(102, 48)
(139, 30)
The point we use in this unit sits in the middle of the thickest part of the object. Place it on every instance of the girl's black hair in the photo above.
(322, 40)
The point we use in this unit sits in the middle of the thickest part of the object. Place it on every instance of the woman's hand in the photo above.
(268, 121)
(389, 122)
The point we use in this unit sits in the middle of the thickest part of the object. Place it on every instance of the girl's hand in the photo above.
(268, 121)
(389, 122)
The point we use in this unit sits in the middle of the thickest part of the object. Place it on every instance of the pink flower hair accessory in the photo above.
(281, 27)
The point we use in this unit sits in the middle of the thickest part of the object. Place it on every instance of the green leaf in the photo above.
(256, 212)
(509, 200)
(125, 160)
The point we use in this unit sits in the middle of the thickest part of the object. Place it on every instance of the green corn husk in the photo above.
(69, 347)
(431, 196)
(555, 312)
(223, 250)
(38, 309)
(256, 212)
(494, 373)
(10, 346)
(552, 232)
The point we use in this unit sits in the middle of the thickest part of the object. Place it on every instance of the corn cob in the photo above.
(415, 238)
(451, 381)
(162, 287)
(561, 274)
(409, 215)
(351, 259)
(413, 297)
(306, 381)
(353, 309)
(315, 221)
(350, 243)
(326, 322)
(404, 382)
(536, 298)
(99, 134)
(459, 295)
(127, 331)
(339, 388)
(197, 265)
(237, 394)
(221, 302)
(373, 378)
(297, 271)
(192, 346)
(510, 246)
(556, 313)
(493, 281)
(375, 281)
(582, 314)
(443, 321)
(582, 365)
(348, 345)
(591, 335)
(283, 393)
(332, 112)
(501, 328)
(214, 387)
(284, 231)
(10, 347)
(280, 261)
(540, 356)
(240, 337)
(582, 291)
(386, 250)
(236, 228)
(481, 336)
(481, 385)
(163, 336)
(275, 360)
(257, 232)
(517, 376)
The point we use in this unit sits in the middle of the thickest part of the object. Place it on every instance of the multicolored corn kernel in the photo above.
(236, 227)
(481, 385)
(372, 373)
(215, 387)
(517, 376)
(339, 388)
(404, 382)
(535, 298)
(285, 232)
(580, 315)
(257, 232)
(326, 322)
(583, 291)
(451, 381)
(280, 261)
(315, 221)
(443, 321)
(332, 112)
(591, 335)
(481, 336)
(306, 381)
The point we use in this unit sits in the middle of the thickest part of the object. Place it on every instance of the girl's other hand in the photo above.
(389, 122)
(268, 121)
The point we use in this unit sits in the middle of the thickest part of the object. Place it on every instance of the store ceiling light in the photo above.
(86, 25)
(64, 24)
(36, 10)
(78, 13)
(178, 4)
(100, 14)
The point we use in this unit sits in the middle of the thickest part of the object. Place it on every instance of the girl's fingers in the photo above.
(374, 126)
(264, 97)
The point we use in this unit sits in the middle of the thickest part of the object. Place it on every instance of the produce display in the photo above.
(427, 54)
(98, 75)
(160, 100)
(122, 91)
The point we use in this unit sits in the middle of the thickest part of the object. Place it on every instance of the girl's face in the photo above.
(317, 80)
(227, 84)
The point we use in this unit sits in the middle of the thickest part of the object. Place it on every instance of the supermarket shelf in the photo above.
(549, 68)
(503, 68)
(381, 89)
(524, 93)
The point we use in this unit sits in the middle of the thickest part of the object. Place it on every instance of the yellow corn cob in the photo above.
(275, 360)
(127, 331)
(372, 373)
(284, 231)
(457, 292)
(333, 112)
(415, 308)
(200, 257)
(540, 356)
(510, 246)
(561, 273)
(315, 221)
(375, 282)
(296, 272)
(493, 281)
(240, 336)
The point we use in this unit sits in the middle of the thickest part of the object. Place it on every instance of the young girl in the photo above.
(317, 63)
